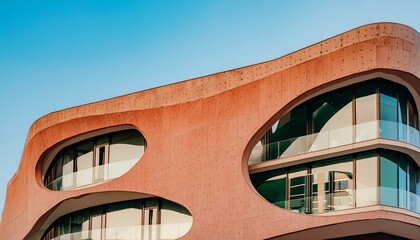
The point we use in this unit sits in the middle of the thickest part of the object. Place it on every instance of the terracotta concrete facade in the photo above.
(199, 136)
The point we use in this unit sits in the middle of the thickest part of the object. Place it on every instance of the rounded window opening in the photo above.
(149, 218)
(372, 109)
(360, 112)
(95, 160)
(376, 177)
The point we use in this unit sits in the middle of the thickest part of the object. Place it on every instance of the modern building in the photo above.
(322, 143)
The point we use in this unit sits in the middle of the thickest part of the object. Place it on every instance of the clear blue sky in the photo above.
(56, 54)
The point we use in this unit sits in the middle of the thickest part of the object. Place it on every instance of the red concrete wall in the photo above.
(198, 131)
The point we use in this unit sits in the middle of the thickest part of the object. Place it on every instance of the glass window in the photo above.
(175, 220)
(285, 135)
(64, 226)
(84, 162)
(298, 190)
(376, 108)
(366, 110)
(366, 179)
(402, 183)
(402, 114)
(388, 112)
(274, 188)
(389, 179)
(79, 224)
(68, 169)
(332, 120)
(336, 176)
(413, 197)
(88, 161)
(134, 219)
(97, 223)
(122, 220)
(127, 145)
(413, 123)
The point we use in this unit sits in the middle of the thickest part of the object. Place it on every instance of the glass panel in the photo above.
(120, 219)
(64, 226)
(175, 220)
(97, 226)
(101, 158)
(402, 114)
(413, 198)
(68, 166)
(337, 182)
(84, 161)
(366, 109)
(402, 182)
(290, 126)
(257, 153)
(274, 190)
(80, 225)
(150, 219)
(332, 115)
(413, 122)
(298, 191)
(388, 112)
(127, 145)
(416, 205)
(389, 179)
(366, 179)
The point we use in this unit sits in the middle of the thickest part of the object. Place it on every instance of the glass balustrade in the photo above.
(330, 139)
(331, 191)
(157, 231)
(91, 175)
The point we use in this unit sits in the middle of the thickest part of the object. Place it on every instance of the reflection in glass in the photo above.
(94, 160)
(366, 179)
(332, 114)
(388, 112)
(332, 184)
(360, 112)
(297, 190)
(175, 220)
(366, 109)
(389, 180)
(151, 218)
(119, 219)
(337, 180)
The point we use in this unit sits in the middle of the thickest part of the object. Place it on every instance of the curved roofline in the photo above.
(221, 72)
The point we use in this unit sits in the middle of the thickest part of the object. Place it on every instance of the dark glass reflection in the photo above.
(332, 184)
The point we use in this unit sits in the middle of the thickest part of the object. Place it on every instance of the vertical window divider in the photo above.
(354, 181)
(378, 195)
(354, 114)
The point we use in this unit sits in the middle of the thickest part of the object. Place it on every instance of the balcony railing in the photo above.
(92, 175)
(334, 190)
(330, 138)
(157, 231)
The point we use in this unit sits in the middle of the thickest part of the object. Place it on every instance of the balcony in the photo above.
(325, 192)
(92, 175)
(156, 231)
(327, 139)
